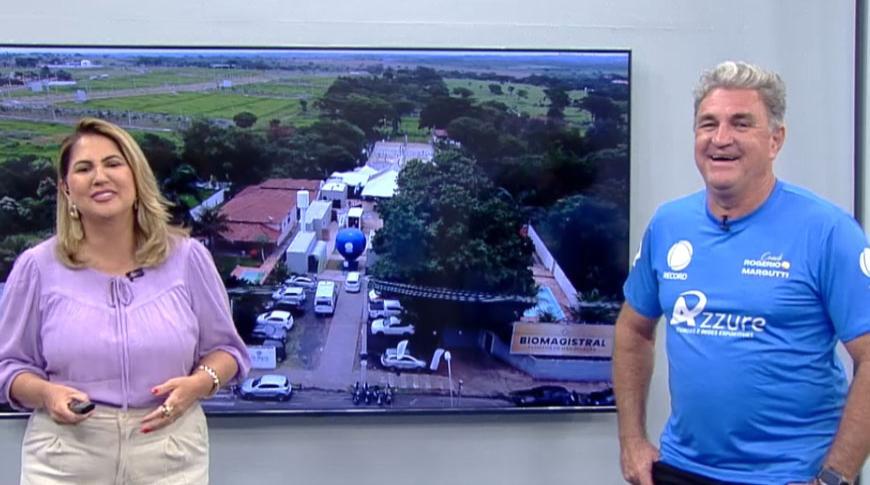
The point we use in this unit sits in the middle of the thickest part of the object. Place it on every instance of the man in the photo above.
(757, 280)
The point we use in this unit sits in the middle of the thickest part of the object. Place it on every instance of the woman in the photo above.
(121, 309)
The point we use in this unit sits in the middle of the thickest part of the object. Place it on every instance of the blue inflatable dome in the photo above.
(350, 243)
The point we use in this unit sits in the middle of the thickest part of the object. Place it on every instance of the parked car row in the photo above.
(269, 386)
(293, 296)
(391, 326)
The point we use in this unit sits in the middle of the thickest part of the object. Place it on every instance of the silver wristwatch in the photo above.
(830, 477)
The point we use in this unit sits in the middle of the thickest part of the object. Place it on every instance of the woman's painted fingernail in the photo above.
(153, 390)
(146, 430)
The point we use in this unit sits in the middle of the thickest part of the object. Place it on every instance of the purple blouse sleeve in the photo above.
(211, 305)
(20, 348)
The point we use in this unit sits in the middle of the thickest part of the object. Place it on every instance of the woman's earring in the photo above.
(135, 205)
(73, 211)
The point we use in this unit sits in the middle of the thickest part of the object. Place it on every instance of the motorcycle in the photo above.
(356, 394)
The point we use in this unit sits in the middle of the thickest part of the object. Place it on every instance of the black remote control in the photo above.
(81, 407)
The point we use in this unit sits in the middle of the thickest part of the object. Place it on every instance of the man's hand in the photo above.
(637, 456)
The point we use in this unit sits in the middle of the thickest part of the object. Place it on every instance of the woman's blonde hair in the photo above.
(153, 233)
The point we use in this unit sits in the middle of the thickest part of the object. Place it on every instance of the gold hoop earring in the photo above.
(73, 211)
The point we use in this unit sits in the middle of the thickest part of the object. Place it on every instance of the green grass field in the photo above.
(210, 104)
(302, 87)
(108, 79)
(19, 138)
(535, 103)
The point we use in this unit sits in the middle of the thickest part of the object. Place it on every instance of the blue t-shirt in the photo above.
(753, 313)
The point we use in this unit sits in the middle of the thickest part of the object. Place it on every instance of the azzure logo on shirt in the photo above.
(679, 257)
(864, 262)
(689, 317)
(767, 266)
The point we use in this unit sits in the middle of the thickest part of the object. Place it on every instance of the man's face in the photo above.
(734, 144)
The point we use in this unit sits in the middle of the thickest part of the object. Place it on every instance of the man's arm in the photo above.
(852, 442)
(633, 355)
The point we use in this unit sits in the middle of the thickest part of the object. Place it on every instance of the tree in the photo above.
(463, 92)
(442, 110)
(231, 154)
(479, 136)
(245, 119)
(20, 177)
(601, 107)
(303, 105)
(162, 154)
(449, 226)
(204, 144)
(588, 239)
(11, 247)
(210, 224)
(559, 99)
(495, 89)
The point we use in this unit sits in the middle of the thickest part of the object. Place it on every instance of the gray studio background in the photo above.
(810, 42)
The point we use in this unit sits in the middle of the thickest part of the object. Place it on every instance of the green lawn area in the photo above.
(107, 79)
(301, 87)
(42, 139)
(409, 125)
(18, 138)
(211, 105)
(535, 103)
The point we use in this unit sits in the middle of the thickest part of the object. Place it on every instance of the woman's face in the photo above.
(99, 180)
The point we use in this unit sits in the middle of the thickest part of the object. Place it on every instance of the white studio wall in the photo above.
(810, 43)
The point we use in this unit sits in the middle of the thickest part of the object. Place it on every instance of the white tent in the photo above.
(383, 186)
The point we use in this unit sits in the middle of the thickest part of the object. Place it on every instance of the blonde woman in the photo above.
(121, 309)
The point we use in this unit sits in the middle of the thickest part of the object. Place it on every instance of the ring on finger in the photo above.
(166, 409)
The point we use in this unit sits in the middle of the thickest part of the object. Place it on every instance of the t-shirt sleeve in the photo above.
(211, 305)
(844, 278)
(20, 349)
(641, 288)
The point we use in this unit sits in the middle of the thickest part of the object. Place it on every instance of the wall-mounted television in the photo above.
(400, 231)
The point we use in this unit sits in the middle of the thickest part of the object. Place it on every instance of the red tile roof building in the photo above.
(265, 213)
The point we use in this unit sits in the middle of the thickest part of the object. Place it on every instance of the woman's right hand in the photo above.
(56, 399)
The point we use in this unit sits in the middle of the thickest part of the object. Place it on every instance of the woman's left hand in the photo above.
(181, 393)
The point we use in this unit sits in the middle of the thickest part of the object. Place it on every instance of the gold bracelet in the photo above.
(215, 380)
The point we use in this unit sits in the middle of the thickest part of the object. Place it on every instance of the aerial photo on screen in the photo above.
(398, 230)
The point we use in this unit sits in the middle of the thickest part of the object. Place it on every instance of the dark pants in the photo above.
(664, 474)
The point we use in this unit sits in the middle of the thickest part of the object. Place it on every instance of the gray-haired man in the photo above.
(757, 280)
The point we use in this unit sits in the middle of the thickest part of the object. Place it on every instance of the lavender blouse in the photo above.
(111, 337)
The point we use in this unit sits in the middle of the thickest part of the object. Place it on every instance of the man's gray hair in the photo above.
(742, 75)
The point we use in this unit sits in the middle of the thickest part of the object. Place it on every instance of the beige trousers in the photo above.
(109, 448)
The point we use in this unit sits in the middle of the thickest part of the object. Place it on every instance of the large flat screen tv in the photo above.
(400, 231)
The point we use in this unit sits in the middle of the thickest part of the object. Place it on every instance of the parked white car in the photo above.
(307, 282)
(280, 318)
(391, 360)
(391, 326)
(384, 308)
(291, 295)
(269, 386)
(266, 331)
(353, 282)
